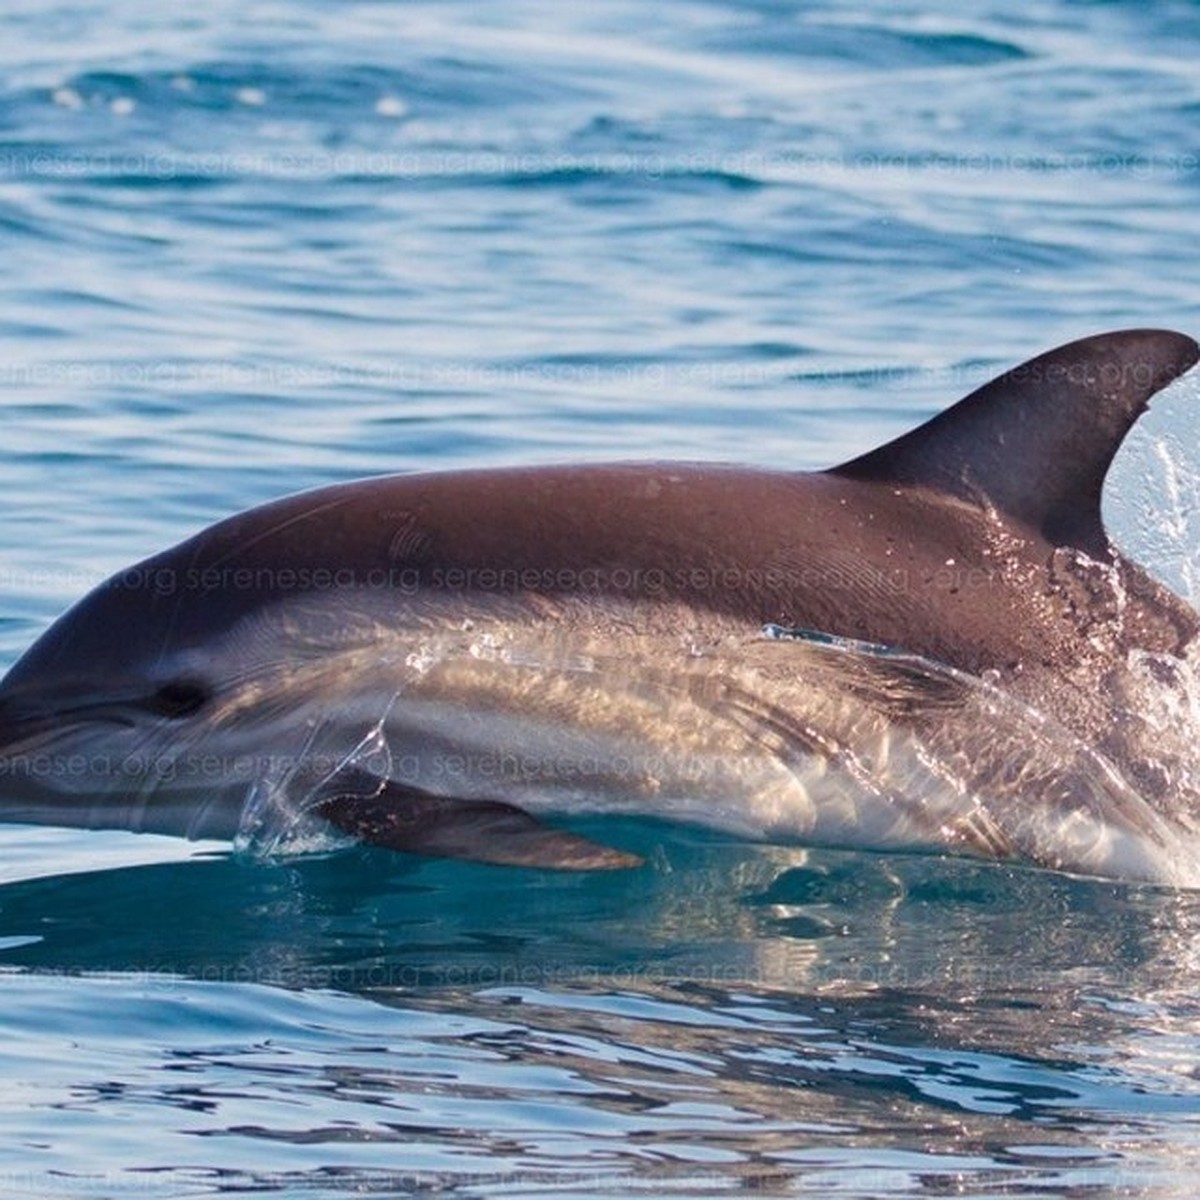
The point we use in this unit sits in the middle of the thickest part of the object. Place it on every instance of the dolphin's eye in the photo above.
(179, 698)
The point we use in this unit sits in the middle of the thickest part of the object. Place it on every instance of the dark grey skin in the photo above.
(405, 617)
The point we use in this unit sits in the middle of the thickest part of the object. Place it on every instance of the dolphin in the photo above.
(934, 646)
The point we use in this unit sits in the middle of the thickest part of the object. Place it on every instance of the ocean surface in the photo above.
(250, 248)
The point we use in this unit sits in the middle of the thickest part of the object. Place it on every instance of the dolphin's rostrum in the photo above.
(934, 646)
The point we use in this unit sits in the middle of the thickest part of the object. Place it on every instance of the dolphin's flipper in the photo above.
(1036, 443)
(490, 831)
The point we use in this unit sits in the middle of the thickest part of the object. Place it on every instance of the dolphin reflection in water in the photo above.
(934, 646)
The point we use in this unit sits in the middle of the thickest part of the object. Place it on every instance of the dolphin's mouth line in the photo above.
(25, 733)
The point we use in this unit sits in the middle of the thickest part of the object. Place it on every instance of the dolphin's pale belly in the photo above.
(779, 738)
(764, 734)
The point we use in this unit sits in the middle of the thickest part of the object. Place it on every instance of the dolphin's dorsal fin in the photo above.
(1036, 443)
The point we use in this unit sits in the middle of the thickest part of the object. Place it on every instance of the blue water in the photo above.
(253, 247)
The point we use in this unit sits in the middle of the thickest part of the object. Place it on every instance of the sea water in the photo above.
(250, 248)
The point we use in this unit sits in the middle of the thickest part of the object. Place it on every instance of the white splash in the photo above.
(1152, 494)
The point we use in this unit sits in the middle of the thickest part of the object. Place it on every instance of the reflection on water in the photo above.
(730, 1017)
